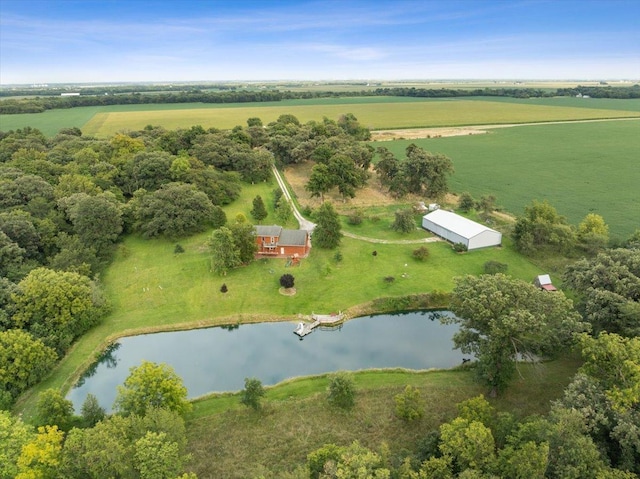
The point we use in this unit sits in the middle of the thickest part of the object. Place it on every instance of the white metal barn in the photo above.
(458, 229)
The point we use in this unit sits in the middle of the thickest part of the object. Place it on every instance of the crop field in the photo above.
(373, 112)
(579, 168)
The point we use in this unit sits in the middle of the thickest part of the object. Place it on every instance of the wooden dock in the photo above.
(317, 320)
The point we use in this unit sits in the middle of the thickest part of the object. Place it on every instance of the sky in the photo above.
(88, 41)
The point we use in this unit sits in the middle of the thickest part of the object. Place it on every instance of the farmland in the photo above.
(579, 168)
(373, 112)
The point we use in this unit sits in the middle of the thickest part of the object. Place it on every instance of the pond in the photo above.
(219, 359)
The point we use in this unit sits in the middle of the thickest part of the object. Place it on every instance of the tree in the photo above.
(244, 241)
(341, 391)
(345, 175)
(24, 361)
(542, 227)
(327, 232)
(14, 435)
(502, 318)
(404, 221)
(466, 202)
(97, 220)
(286, 281)
(58, 306)
(409, 404)
(224, 255)
(175, 210)
(155, 457)
(40, 458)
(149, 386)
(593, 233)
(320, 181)
(469, 444)
(52, 409)
(91, 411)
(608, 286)
(387, 166)
(259, 211)
(218, 217)
(424, 172)
(252, 393)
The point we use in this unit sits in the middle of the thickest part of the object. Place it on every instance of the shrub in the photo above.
(338, 256)
(178, 249)
(404, 221)
(286, 281)
(355, 218)
(389, 279)
(495, 267)
(252, 393)
(341, 391)
(421, 253)
(409, 404)
(459, 247)
(374, 218)
(466, 202)
(223, 288)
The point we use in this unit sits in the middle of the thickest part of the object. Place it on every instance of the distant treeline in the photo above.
(120, 97)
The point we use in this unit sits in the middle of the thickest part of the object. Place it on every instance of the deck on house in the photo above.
(317, 320)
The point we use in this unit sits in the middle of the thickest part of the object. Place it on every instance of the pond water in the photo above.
(219, 359)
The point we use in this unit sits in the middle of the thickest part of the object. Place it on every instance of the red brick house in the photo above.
(277, 242)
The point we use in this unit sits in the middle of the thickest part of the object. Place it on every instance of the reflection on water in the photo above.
(217, 359)
(107, 359)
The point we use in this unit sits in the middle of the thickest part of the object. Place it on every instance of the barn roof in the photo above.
(456, 223)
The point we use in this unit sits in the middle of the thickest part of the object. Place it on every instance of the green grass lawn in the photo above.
(151, 288)
(579, 168)
(229, 440)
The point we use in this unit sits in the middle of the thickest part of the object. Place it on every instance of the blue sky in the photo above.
(50, 41)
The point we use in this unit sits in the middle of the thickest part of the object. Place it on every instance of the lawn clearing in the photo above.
(579, 168)
(154, 289)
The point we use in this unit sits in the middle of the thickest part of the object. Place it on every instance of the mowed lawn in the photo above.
(154, 289)
(579, 168)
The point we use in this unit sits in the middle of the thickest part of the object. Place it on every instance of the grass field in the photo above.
(231, 441)
(183, 292)
(373, 112)
(579, 168)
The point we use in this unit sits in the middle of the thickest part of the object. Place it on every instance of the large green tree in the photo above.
(327, 233)
(541, 228)
(503, 320)
(224, 255)
(259, 210)
(57, 306)
(174, 210)
(149, 386)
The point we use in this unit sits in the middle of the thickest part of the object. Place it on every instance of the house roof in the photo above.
(293, 238)
(456, 223)
(268, 230)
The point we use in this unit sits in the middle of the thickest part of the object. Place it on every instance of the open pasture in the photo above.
(376, 115)
(579, 168)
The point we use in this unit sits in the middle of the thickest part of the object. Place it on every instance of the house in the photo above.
(543, 281)
(274, 240)
(458, 229)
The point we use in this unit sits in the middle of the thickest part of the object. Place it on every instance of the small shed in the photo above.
(543, 281)
(458, 229)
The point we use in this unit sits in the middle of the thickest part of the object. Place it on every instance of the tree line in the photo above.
(45, 102)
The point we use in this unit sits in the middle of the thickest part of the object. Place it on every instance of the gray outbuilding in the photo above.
(458, 229)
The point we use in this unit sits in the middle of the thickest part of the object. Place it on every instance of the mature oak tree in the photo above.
(503, 320)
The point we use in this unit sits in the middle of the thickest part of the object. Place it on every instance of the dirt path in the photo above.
(442, 132)
(383, 241)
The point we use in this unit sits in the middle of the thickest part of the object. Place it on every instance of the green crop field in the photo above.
(579, 168)
(373, 112)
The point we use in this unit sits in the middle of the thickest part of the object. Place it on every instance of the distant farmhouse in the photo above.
(275, 241)
(458, 229)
